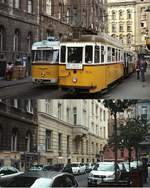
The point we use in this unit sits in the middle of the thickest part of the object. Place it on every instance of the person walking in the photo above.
(138, 69)
(9, 71)
(142, 69)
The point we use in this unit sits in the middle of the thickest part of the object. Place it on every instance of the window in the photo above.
(29, 41)
(68, 144)
(120, 14)
(102, 54)
(48, 141)
(144, 112)
(113, 15)
(109, 54)
(29, 106)
(97, 54)
(75, 116)
(87, 146)
(28, 142)
(88, 54)
(129, 16)
(49, 7)
(48, 106)
(63, 54)
(59, 141)
(16, 40)
(14, 140)
(114, 28)
(17, 4)
(68, 114)
(75, 54)
(59, 111)
(30, 6)
(2, 38)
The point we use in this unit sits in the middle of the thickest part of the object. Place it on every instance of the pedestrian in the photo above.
(142, 69)
(138, 69)
(9, 71)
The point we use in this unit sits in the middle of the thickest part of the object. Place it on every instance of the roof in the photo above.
(103, 38)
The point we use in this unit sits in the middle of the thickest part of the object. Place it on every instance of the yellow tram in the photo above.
(91, 63)
(45, 62)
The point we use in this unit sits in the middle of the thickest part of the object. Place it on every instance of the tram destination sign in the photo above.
(74, 66)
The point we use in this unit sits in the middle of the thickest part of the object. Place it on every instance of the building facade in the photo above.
(18, 133)
(18, 30)
(129, 22)
(73, 130)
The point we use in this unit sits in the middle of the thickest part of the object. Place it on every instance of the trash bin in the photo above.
(137, 178)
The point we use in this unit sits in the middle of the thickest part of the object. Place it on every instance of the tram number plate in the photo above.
(74, 66)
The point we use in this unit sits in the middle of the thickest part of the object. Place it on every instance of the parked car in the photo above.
(89, 167)
(36, 168)
(7, 173)
(124, 168)
(78, 168)
(103, 172)
(43, 179)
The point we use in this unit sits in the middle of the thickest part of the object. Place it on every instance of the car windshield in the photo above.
(104, 167)
(74, 165)
(8, 170)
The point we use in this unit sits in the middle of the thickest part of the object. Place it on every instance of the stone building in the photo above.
(18, 133)
(54, 18)
(129, 22)
(73, 130)
(18, 29)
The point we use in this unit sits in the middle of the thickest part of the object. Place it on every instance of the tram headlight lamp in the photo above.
(75, 80)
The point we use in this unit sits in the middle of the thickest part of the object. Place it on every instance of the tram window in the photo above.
(63, 54)
(119, 56)
(113, 55)
(97, 54)
(102, 54)
(108, 54)
(88, 54)
(75, 54)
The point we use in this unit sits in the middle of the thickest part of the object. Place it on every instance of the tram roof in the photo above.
(46, 44)
(102, 38)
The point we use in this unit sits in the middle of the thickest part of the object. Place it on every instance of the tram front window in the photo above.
(51, 56)
(75, 54)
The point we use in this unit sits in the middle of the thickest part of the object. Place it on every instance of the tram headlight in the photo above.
(75, 80)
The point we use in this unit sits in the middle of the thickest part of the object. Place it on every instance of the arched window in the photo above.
(2, 38)
(113, 15)
(14, 139)
(129, 16)
(30, 6)
(129, 39)
(16, 40)
(29, 41)
(120, 14)
(28, 141)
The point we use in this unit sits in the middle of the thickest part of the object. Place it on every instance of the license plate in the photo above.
(74, 66)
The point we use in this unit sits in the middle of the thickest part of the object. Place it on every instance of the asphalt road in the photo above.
(130, 88)
(82, 180)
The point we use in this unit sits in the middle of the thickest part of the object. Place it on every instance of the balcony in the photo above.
(79, 131)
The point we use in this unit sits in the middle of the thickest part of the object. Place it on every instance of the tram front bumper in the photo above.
(45, 81)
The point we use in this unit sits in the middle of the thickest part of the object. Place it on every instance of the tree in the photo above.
(116, 106)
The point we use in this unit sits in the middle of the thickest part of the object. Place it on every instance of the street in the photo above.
(128, 88)
(82, 180)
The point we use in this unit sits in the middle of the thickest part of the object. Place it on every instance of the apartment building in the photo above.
(129, 22)
(18, 133)
(73, 130)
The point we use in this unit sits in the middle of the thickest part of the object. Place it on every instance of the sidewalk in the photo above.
(6, 83)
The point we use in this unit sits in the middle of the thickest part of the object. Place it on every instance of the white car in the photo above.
(78, 168)
(103, 172)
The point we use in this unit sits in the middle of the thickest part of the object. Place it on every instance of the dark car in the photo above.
(7, 173)
(43, 179)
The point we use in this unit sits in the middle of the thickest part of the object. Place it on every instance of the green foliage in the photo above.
(118, 105)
